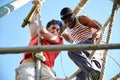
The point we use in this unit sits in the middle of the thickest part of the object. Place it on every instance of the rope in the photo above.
(62, 65)
(102, 32)
(114, 60)
(39, 58)
(108, 38)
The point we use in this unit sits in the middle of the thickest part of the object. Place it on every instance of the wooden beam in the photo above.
(8, 8)
(58, 48)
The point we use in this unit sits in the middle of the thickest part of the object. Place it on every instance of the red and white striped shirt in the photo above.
(80, 32)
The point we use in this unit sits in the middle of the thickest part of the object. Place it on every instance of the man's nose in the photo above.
(56, 31)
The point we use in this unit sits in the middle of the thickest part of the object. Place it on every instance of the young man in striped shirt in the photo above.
(82, 30)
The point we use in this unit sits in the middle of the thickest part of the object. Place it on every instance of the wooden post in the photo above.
(8, 8)
(26, 20)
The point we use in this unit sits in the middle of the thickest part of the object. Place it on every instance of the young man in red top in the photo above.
(49, 35)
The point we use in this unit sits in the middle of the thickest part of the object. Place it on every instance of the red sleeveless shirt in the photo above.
(50, 56)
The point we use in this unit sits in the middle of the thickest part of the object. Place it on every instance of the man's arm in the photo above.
(33, 25)
(67, 37)
(88, 22)
(48, 35)
(93, 24)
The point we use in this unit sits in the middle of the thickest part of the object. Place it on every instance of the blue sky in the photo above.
(13, 35)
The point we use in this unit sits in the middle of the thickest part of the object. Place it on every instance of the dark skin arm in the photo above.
(67, 37)
(88, 22)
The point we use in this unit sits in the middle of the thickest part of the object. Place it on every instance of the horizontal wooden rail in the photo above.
(5, 50)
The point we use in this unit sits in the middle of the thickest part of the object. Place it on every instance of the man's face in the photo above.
(54, 29)
(70, 21)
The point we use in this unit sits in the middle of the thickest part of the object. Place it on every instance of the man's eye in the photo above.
(53, 27)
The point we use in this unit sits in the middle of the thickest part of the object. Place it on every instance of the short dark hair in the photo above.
(66, 12)
(53, 21)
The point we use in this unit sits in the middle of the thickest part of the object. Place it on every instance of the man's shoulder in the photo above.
(82, 19)
(82, 16)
